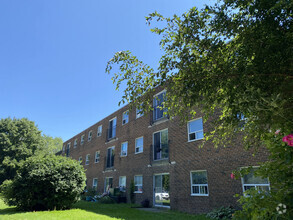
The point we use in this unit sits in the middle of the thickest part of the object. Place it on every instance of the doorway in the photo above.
(161, 190)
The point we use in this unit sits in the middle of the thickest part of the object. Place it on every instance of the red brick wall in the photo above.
(188, 157)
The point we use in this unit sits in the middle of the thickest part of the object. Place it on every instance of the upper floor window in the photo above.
(80, 159)
(99, 131)
(138, 184)
(110, 157)
(82, 139)
(68, 149)
(125, 117)
(112, 128)
(139, 111)
(97, 157)
(63, 148)
(139, 145)
(95, 182)
(87, 159)
(250, 181)
(158, 105)
(90, 136)
(161, 149)
(124, 147)
(195, 129)
(199, 183)
(75, 143)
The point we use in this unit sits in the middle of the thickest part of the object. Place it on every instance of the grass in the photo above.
(89, 210)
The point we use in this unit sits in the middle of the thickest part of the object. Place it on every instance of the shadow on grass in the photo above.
(124, 211)
(9, 211)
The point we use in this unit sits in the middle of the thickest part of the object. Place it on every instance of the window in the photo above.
(95, 182)
(124, 149)
(125, 117)
(97, 157)
(112, 128)
(195, 130)
(138, 184)
(63, 148)
(139, 111)
(80, 159)
(249, 181)
(158, 104)
(99, 132)
(199, 183)
(90, 136)
(108, 183)
(75, 143)
(87, 159)
(110, 157)
(161, 149)
(82, 139)
(139, 145)
(68, 150)
(122, 183)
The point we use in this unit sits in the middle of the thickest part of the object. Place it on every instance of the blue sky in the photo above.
(53, 55)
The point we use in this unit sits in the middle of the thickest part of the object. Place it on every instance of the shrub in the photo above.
(45, 183)
(106, 200)
(221, 213)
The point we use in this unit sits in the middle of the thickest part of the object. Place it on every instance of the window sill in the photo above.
(97, 162)
(195, 140)
(199, 194)
(138, 152)
(158, 121)
(123, 155)
(137, 192)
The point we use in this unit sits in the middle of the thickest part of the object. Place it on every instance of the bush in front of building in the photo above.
(45, 183)
(221, 213)
(107, 200)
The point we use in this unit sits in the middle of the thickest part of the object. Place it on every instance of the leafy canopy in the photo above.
(235, 58)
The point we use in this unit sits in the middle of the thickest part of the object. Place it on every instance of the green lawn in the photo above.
(89, 210)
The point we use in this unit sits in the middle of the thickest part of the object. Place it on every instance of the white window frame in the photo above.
(196, 139)
(82, 140)
(139, 112)
(95, 186)
(99, 131)
(138, 147)
(199, 185)
(154, 97)
(87, 159)
(124, 155)
(90, 135)
(138, 184)
(97, 159)
(125, 121)
(120, 177)
(75, 143)
(255, 185)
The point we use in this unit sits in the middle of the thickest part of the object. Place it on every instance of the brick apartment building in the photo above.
(164, 160)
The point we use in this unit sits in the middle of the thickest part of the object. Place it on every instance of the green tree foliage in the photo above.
(19, 139)
(52, 145)
(234, 62)
(45, 183)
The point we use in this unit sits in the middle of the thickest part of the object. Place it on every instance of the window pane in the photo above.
(199, 135)
(164, 137)
(203, 190)
(139, 142)
(248, 187)
(199, 177)
(263, 188)
(195, 189)
(192, 136)
(251, 179)
(195, 125)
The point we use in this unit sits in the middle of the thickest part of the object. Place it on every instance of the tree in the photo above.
(45, 182)
(52, 145)
(19, 139)
(234, 62)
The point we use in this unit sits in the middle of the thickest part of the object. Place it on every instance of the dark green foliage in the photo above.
(19, 139)
(131, 192)
(221, 213)
(106, 200)
(234, 62)
(45, 183)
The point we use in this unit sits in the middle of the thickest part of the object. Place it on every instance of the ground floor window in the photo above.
(95, 182)
(122, 183)
(138, 184)
(108, 183)
(250, 181)
(199, 183)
